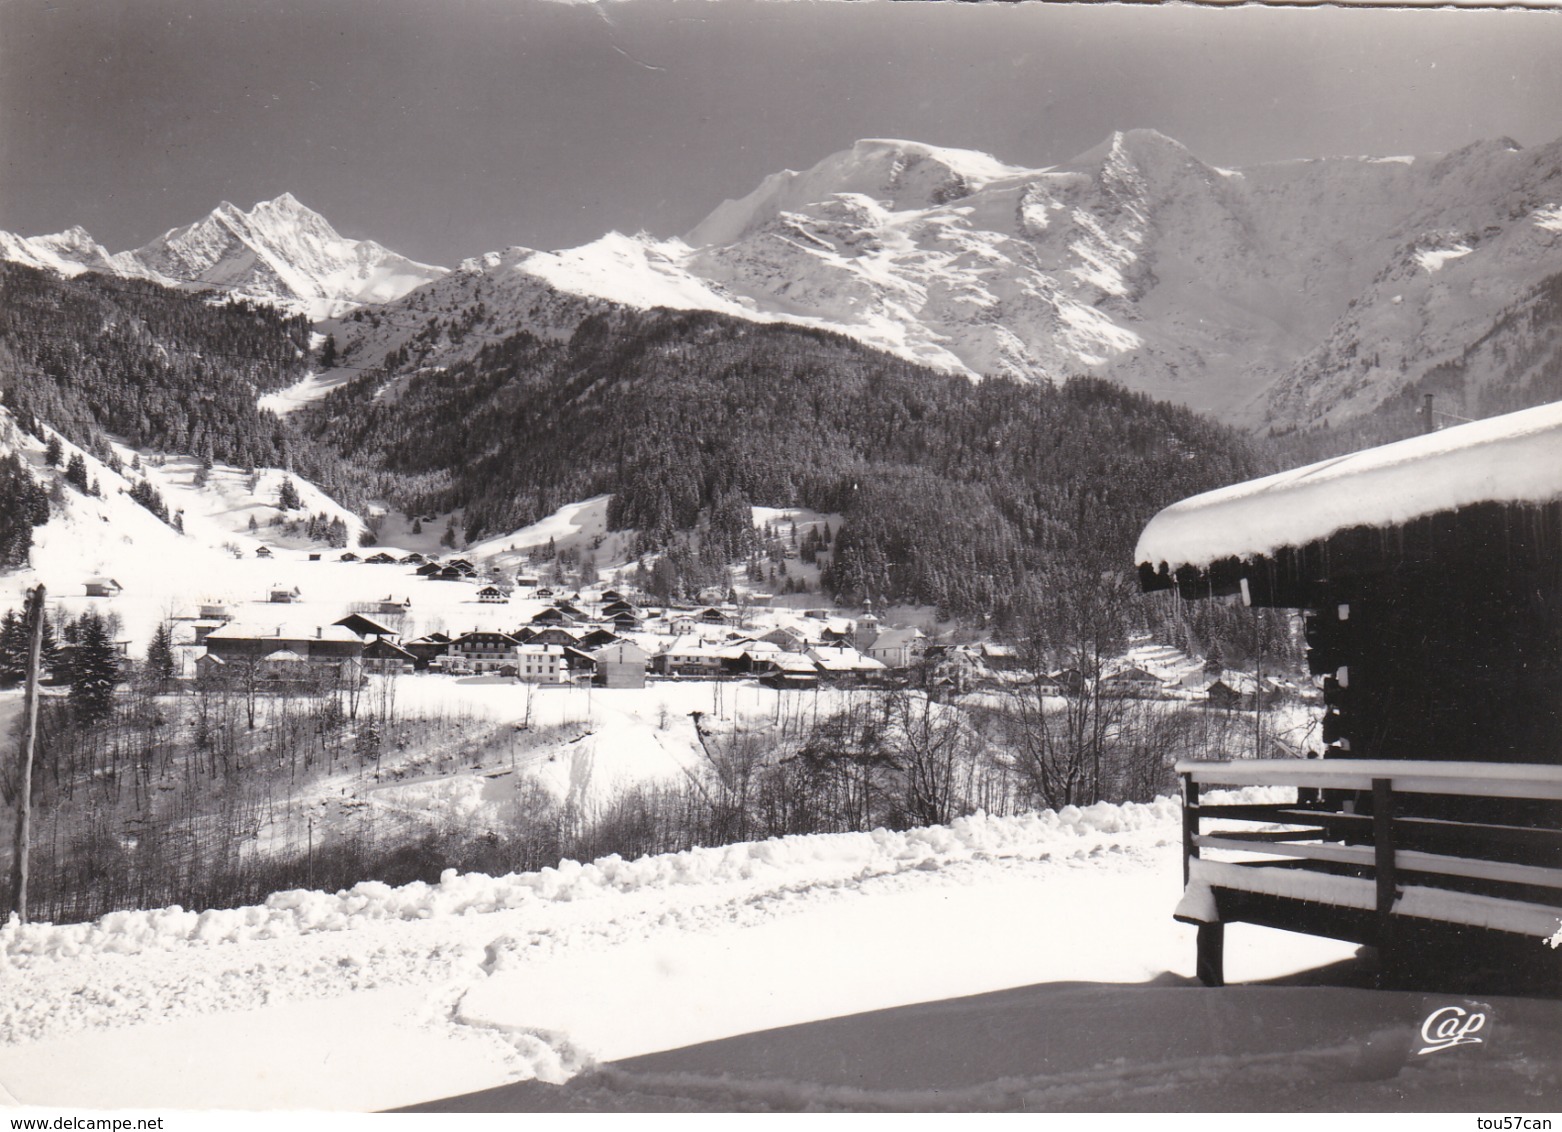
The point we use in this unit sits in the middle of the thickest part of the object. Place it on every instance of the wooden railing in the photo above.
(1373, 848)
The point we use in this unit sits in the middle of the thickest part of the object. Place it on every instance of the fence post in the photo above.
(1383, 867)
(1190, 824)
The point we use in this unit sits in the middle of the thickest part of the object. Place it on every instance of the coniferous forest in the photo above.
(988, 498)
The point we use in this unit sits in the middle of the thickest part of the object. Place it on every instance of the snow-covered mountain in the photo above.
(279, 252)
(1256, 294)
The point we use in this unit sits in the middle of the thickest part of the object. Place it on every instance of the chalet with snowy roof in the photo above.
(380, 558)
(462, 564)
(480, 652)
(621, 665)
(713, 616)
(349, 556)
(554, 616)
(1428, 573)
(1132, 681)
(282, 594)
(386, 658)
(897, 648)
(492, 595)
(450, 573)
(262, 552)
(427, 649)
(598, 638)
(326, 652)
(428, 570)
(611, 608)
(103, 587)
(842, 664)
(688, 657)
(553, 635)
(789, 638)
(625, 622)
(612, 595)
(413, 559)
(390, 606)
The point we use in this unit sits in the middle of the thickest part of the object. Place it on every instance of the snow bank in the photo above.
(303, 912)
(1506, 459)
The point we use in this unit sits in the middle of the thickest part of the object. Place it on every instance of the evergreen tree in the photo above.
(94, 669)
(13, 649)
(328, 352)
(76, 472)
(287, 495)
(160, 655)
(52, 453)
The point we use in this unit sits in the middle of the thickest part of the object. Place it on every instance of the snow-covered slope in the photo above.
(278, 252)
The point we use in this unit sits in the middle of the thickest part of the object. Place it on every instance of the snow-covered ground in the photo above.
(379, 997)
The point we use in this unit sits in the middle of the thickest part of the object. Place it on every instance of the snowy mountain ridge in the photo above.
(280, 252)
(1250, 293)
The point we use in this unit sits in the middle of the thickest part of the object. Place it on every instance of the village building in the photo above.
(541, 664)
(293, 653)
(282, 594)
(897, 648)
(429, 570)
(1133, 682)
(842, 664)
(428, 650)
(480, 652)
(349, 556)
(492, 595)
(383, 657)
(380, 558)
(621, 665)
(790, 670)
(688, 656)
(389, 606)
(262, 552)
(103, 587)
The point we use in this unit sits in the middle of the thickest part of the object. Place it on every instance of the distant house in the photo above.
(349, 556)
(412, 559)
(480, 652)
(790, 670)
(262, 552)
(688, 657)
(625, 621)
(428, 570)
(211, 611)
(544, 593)
(553, 635)
(392, 605)
(842, 664)
(612, 596)
(1133, 681)
(380, 559)
(713, 616)
(427, 649)
(1219, 694)
(492, 595)
(615, 607)
(541, 664)
(284, 655)
(314, 557)
(281, 594)
(526, 581)
(385, 658)
(451, 573)
(462, 564)
(621, 665)
(999, 658)
(597, 638)
(103, 587)
(553, 616)
(787, 637)
(897, 648)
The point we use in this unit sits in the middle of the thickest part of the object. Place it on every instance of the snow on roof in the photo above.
(1516, 458)
(236, 631)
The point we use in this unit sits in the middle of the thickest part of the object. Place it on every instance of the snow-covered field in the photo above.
(378, 997)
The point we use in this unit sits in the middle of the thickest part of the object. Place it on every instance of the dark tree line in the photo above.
(162, 369)
(23, 506)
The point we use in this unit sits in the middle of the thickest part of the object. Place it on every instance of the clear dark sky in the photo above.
(444, 128)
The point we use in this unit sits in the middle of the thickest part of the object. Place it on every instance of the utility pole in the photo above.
(29, 741)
